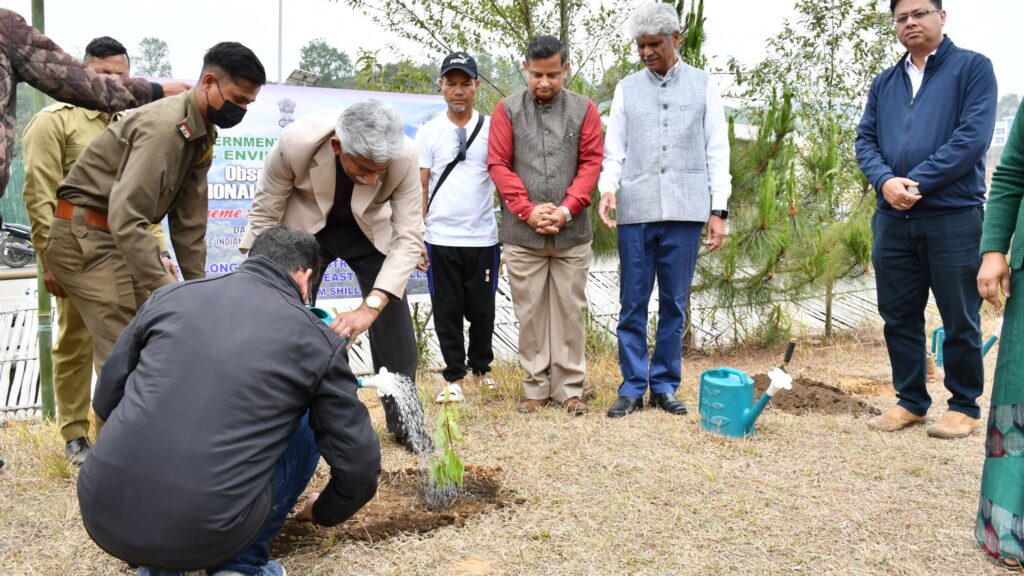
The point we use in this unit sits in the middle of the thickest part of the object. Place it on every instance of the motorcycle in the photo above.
(16, 245)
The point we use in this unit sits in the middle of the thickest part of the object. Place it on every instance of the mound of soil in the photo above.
(399, 508)
(812, 396)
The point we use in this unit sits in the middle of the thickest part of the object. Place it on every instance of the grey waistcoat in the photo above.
(665, 176)
(545, 157)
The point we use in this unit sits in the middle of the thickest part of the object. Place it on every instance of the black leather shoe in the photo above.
(668, 402)
(77, 450)
(625, 405)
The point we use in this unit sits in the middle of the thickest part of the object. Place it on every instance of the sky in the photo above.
(736, 28)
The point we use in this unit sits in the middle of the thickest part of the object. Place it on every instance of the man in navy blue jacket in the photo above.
(922, 143)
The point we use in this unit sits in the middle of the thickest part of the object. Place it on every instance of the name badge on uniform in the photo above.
(185, 129)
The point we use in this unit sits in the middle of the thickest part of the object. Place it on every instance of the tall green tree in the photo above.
(803, 207)
(742, 276)
(153, 59)
(1007, 105)
(332, 65)
(691, 45)
(403, 76)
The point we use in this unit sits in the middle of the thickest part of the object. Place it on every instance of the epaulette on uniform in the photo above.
(57, 106)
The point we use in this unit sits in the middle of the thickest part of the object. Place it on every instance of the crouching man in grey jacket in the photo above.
(216, 398)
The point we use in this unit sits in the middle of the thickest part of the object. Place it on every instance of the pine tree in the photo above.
(800, 210)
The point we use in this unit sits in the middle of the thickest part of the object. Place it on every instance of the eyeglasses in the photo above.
(461, 154)
(917, 15)
(364, 170)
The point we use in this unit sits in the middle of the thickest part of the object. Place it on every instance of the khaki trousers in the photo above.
(87, 263)
(72, 371)
(549, 297)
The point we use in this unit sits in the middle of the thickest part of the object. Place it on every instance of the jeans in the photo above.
(668, 251)
(910, 257)
(291, 475)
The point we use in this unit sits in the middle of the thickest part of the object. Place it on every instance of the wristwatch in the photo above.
(723, 214)
(568, 214)
(375, 302)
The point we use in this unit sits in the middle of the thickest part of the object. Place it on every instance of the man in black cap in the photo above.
(461, 255)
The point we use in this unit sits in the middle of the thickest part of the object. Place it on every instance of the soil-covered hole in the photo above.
(812, 396)
(399, 508)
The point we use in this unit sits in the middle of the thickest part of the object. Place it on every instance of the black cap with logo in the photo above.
(459, 61)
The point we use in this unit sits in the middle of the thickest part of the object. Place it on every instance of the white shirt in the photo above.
(916, 74)
(716, 144)
(462, 213)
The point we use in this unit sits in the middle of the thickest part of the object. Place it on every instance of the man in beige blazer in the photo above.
(351, 177)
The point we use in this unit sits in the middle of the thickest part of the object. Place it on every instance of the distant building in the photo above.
(1002, 130)
(999, 136)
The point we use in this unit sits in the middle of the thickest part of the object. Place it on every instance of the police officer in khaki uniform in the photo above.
(53, 141)
(151, 165)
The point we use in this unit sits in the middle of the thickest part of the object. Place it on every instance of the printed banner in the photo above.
(238, 163)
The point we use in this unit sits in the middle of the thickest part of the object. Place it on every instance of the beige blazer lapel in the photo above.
(362, 196)
(323, 177)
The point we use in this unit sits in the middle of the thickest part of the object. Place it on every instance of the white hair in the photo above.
(657, 19)
(371, 129)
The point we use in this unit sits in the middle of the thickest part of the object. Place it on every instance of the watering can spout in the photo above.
(780, 380)
(988, 344)
(755, 412)
(382, 382)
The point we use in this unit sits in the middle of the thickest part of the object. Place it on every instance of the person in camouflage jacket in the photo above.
(27, 55)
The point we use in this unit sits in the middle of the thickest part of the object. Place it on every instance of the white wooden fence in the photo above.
(853, 304)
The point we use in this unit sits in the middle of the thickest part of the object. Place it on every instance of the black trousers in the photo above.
(462, 282)
(910, 257)
(392, 339)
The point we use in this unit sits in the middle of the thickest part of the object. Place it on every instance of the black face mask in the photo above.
(228, 115)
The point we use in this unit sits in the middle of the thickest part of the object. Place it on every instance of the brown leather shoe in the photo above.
(529, 406)
(575, 406)
(895, 418)
(954, 425)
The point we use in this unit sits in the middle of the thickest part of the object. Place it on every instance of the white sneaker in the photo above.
(487, 382)
(451, 393)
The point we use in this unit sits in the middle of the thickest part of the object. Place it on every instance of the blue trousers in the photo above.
(291, 475)
(910, 257)
(666, 251)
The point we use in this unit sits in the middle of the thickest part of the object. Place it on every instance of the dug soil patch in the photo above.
(399, 508)
(867, 386)
(813, 396)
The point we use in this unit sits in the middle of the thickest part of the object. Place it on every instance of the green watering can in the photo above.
(939, 336)
(726, 402)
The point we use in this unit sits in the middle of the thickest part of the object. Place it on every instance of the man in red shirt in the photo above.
(544, 157)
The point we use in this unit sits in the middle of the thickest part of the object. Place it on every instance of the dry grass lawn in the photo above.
(647, 494)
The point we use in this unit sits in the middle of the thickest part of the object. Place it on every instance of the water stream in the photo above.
(398, 392)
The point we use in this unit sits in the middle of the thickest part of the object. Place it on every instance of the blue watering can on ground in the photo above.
(727, 406)
(726, 401)
(939, 337)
